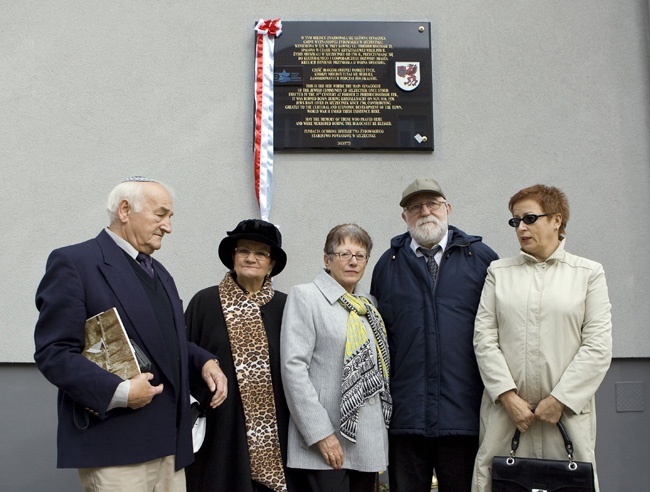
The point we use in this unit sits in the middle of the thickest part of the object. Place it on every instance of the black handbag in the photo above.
(512, 474)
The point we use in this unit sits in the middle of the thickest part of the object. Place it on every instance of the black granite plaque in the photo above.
(353, 85)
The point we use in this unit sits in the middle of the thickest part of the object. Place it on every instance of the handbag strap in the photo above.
(568, 444)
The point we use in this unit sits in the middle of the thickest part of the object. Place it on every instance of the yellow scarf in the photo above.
(362, 377)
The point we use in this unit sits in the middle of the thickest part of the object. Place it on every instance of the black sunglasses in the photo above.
(526, 219)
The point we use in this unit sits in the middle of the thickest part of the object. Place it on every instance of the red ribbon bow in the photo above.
(270, 27)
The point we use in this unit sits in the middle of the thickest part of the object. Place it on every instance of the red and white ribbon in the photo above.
(267, 31)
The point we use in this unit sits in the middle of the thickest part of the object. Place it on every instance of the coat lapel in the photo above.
(177, 308)
(136, 311)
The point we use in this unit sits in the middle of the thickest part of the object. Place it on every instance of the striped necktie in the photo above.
(431, 261)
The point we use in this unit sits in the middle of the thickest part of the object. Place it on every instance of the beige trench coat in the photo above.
(541, 328)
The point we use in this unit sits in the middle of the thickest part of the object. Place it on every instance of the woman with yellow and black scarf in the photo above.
(335, 367)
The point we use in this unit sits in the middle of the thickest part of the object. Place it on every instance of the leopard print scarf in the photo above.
(250, 352)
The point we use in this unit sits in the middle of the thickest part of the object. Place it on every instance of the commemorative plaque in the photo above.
(353, 85)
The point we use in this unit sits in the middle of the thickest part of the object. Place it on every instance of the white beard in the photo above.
(429, 230)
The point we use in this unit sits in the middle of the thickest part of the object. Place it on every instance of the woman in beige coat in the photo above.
(542, 339)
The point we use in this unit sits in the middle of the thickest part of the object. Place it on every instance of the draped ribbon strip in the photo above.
(267, 31)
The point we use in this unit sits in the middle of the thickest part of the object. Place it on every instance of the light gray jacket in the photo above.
(312, 349)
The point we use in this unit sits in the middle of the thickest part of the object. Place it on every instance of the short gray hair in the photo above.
(131, 190)
(341, 232)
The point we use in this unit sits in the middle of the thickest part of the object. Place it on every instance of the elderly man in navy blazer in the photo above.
(132, 435)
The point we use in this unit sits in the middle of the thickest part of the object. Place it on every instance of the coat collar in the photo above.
(558, 254)
(455, 238)
(331, 289)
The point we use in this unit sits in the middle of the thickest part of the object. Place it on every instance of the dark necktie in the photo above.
(145, 263)
(431, 261)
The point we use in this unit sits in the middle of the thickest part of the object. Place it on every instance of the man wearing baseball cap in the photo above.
(428, 286)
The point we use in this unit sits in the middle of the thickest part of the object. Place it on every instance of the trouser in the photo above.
(339, 480)
(153, 476)
(413, 459)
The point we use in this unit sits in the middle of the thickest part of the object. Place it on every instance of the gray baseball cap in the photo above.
(421, 185)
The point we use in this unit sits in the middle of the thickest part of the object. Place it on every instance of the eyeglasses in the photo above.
(416, 208)
(259, 255)
(347, 256)
(526, 219)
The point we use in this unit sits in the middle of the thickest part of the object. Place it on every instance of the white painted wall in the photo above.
(524, 92)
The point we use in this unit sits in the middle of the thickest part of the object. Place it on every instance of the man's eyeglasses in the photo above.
(347, 256)
(526, 219)
(416, 208)
(259, 255)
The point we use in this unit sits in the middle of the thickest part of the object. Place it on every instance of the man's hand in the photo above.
(216, 381)
(141, 392)
(518, 409)
(330, 449)
(549, 410)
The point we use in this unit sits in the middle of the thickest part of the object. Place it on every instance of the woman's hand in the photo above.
(549, 410)
(518, 409)
(330, 449)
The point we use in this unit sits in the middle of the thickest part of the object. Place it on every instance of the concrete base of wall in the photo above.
(28, 421)
(28, 429)
(623, 444)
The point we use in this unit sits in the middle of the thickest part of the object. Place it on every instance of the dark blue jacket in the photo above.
(81, 281)
(435, 382)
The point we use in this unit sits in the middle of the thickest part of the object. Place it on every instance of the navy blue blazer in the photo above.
(81, 281)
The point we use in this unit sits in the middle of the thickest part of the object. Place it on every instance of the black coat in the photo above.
(222, 463)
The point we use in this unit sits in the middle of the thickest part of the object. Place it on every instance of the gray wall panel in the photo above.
(623, 441)
(524, 92)
(28, 430)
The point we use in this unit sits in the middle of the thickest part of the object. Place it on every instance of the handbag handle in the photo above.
(568, 444)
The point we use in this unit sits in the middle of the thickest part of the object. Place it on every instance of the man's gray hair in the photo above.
(131, 190)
